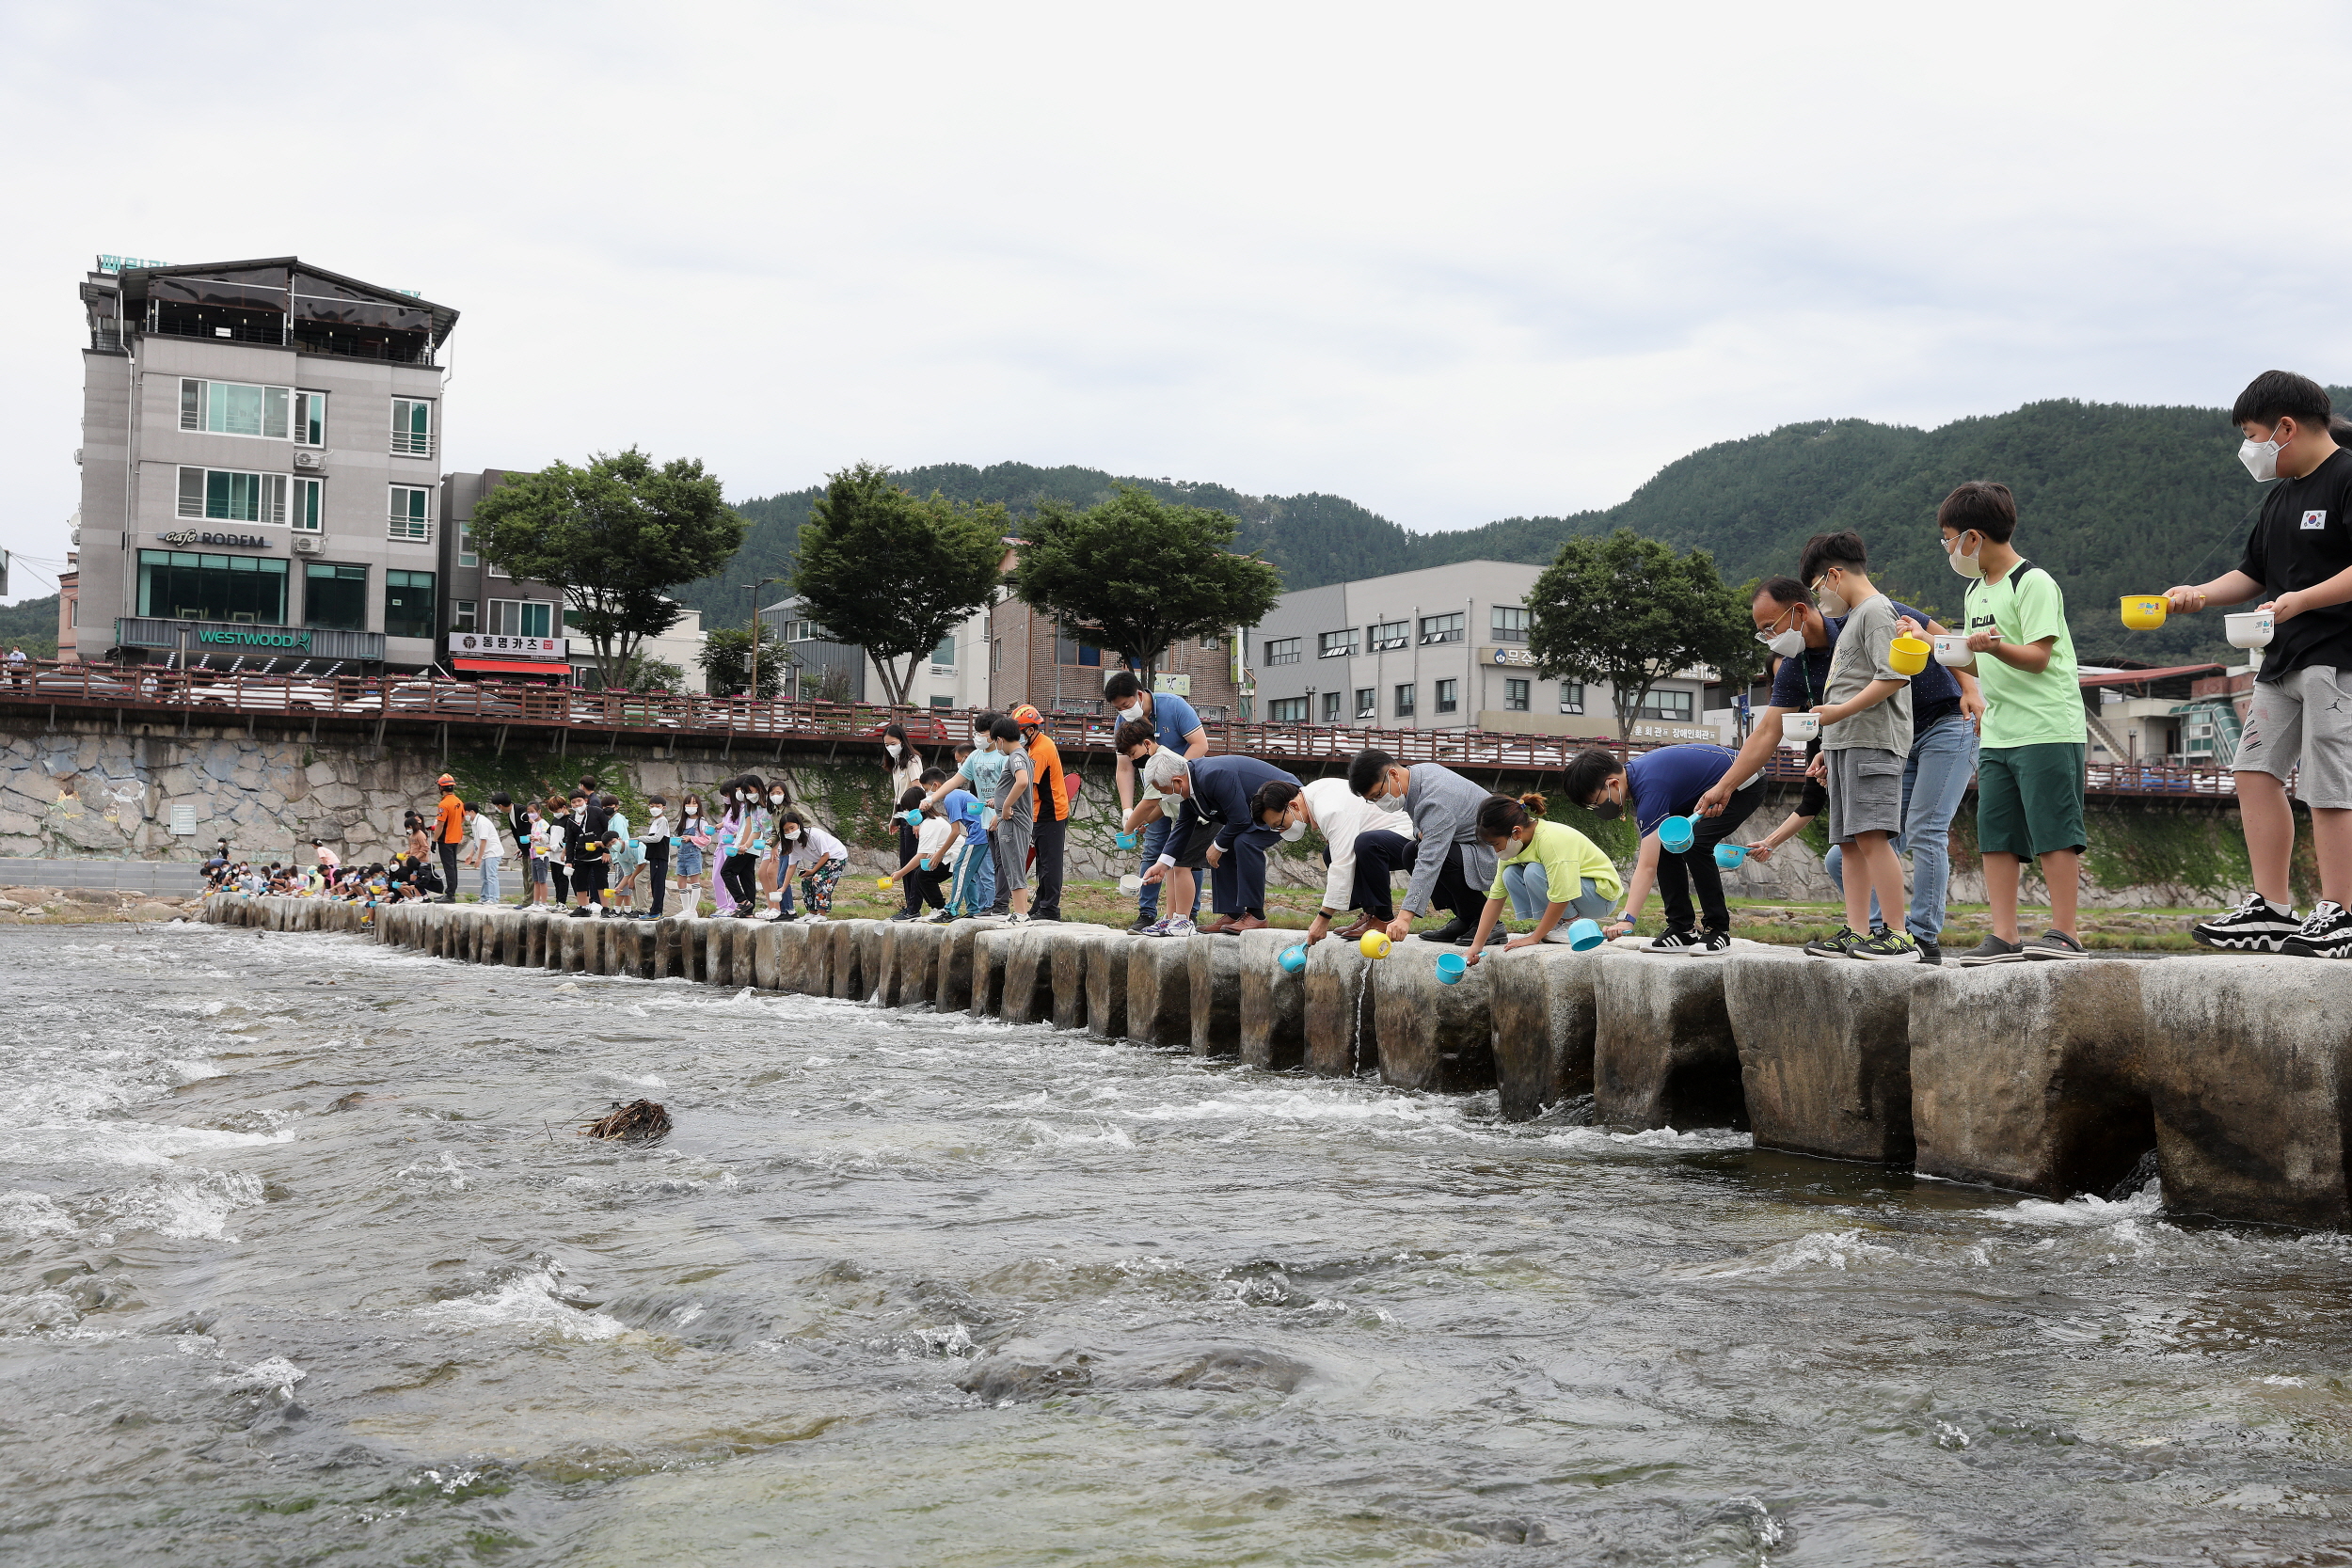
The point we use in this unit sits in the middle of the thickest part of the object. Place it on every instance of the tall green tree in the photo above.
(1629, 611)
(613, 537)
(1136, 574)
(726, 658)
(894, 575)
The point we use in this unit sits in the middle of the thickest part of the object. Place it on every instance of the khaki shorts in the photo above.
(2304, 716)
(1865, 792)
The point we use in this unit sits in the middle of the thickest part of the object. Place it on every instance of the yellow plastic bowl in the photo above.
(2143, 611)
(882, 882)
(1909, 656)
(1374, 944)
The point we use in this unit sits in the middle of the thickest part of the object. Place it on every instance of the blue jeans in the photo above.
(976, 878)
(1530, 892)
(1935, 776)
(1154, 845)
(490, 863)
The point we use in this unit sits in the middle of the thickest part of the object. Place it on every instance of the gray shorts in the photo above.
(1865, 792)
(2304, 716)
(1012, 838)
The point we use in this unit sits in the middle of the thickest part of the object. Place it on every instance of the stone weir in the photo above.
(2055, 1079)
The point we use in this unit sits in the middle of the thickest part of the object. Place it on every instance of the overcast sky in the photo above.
(1453, 262)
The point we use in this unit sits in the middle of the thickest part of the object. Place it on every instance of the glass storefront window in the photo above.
(183, 585)
(407, 604)
(334, 598)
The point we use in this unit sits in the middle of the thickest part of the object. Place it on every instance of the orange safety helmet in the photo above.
(1027, 717)
(446, 781)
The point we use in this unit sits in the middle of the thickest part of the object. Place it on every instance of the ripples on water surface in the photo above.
(300, 1269)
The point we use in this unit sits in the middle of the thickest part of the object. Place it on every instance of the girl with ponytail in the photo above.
(1540, 860)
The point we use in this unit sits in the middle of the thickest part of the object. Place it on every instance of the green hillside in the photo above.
(31, 626)
(2113, 499)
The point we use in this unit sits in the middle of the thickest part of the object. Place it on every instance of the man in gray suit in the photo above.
(1451, 868)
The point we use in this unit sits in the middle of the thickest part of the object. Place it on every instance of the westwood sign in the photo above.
(237, 636)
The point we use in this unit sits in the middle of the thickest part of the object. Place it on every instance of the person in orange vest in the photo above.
(1053, 793)
(448, 835)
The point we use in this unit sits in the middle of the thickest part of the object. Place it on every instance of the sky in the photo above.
(1453, 262)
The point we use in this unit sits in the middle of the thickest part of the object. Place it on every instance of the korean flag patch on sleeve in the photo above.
(2314, 519)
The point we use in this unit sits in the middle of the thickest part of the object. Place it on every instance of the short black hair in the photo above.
(1983, 505)
(1823, 550)
(1273, 795)
(1587, 772)
(499, 798)
(934, 776)
(1365, 768)
(1001, 728)
(2276, 395)
(1121, 684)
(1135, 732)
(1784, 590)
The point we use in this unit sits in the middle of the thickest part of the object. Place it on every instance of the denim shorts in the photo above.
(690, 859)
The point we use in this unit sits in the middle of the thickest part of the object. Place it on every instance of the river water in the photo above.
(304, 1261)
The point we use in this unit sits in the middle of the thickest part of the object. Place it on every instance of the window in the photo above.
(1516, 696)
(334, 598)
(466, 556)
(310, 505)
(1442, 628)
(1404, 702)
(1510, 623)
(1331, 707)
(941, 700)
(1367, 703)
(1449, 696)
(309, 419)
(521, 618)
(232, 497)
(1282, 650)
(461, 615)
(1286, 710)
(1070, 651)
(1386, 635)
(182, 585)
(234, 409)
(408, 604)
(996, 656)
(1572, 696)
(945, 652)
(409, 519)
(1212, 644)
(412, 428)
(1667, 704)
(1336, 644)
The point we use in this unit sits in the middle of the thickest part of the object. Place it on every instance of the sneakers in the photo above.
(1992, 950)
(1019, 917)
(2257, 925)
(1930, 952)
(1454, 929)
(1495, 938)
(1174, 926)
(1885, 947)
(1143, 925)
(2055, 944)
(1680, 942)
(1832, 946)
(940, 917)
(2327, 934)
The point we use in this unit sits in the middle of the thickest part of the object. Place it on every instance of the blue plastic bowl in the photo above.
(1584, 935)
(1451, 968)
(1293, 958)
(912, 818)
(1730, 855)
(1675, 834)
(1127, 841)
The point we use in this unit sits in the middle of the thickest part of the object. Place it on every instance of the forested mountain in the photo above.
(2113, 499)
(30, 625)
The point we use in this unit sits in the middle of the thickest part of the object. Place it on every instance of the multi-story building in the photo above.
(1032, 659)
(1441, 648)
(493, 624)
(261, 466)
(955, 675)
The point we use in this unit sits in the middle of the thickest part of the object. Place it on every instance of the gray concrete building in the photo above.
(260, 467)
(1441, 648)
(494, 626)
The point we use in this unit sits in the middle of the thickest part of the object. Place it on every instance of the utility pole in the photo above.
(752, 690)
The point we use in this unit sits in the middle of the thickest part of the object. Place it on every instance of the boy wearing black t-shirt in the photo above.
(2298, 562)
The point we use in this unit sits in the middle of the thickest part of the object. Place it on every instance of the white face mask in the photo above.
(792, 832)
(1133, 710)
(1786, 644)
(1967, 566)
(2260, 458)
(694, 811)
(776, 799)
(1828, 601)
(1296, 831)
(891, 746)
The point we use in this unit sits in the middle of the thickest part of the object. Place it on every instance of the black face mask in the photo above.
(1608, 811)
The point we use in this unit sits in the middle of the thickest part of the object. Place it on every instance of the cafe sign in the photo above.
(481, 643)
(186, 538)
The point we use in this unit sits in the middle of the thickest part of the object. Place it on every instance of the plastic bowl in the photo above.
(882, 882)
(1952, 648)
(2251, 629)
(1730, 855)
(1585, 935)
(1451, 967)
(1374, 944)
(1293, 958)
(912, 818)
(1131, 883)
(1127, 841)
(1800, 727)
(1676, 835)
(1908, 655)
(2143, 611)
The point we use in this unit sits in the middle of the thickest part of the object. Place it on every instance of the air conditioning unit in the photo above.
(310, 460)
(308, 543)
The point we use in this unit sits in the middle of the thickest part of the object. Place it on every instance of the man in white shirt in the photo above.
(1341, 815)
(484, 849)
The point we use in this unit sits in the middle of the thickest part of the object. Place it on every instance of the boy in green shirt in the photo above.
(2029, 772)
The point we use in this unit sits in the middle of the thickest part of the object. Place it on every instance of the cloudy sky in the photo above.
(1453, 262)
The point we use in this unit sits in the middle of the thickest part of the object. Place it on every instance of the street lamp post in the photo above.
(753, 692)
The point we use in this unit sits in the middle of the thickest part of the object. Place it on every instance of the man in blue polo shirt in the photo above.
(1180, 731)
(1944, 706)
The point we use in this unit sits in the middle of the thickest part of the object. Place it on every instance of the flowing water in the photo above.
(307, 1262)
